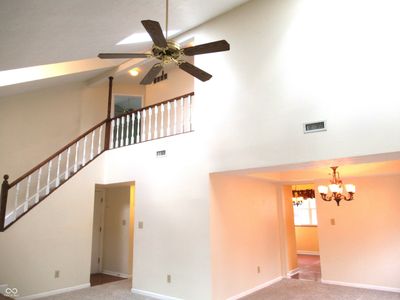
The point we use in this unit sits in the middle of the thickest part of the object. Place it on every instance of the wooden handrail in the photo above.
(19, 179)
(153, 105)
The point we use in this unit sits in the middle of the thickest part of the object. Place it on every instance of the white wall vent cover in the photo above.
(314, 126)
(161, 153)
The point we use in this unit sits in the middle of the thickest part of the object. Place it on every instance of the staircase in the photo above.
(168, 118)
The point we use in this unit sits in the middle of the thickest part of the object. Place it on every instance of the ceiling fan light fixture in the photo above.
(134, 72)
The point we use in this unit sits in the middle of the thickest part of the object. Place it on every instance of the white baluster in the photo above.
(76, 157)
(16, 201)
(175, 117)
(58, 170)
(28, 186)
(38, 186)
(122, 131)
(144, 125)
(100, 134)
(92, 144)
(190, 112)
(127, 136)
(48, 177)
(84, 151)
(182, 115)
(67, 164)
(133, 128)
(117, 134)
(155, 122)
(112, 134)
(138, 128)
(150, 121)
(162, 121)
(169, 119)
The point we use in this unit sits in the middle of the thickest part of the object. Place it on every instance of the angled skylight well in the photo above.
(142, 37)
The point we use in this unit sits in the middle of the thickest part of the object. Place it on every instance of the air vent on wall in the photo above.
(161, 153)
(314, 126)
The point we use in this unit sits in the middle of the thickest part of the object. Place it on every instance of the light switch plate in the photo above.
(140, 224)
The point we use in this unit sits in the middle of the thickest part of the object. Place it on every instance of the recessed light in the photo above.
(134, 72)
(142, 37)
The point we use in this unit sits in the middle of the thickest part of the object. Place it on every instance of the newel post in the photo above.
(108, 123)
(3, 202)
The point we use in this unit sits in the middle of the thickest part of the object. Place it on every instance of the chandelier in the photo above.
(299, 195)
(336, 189)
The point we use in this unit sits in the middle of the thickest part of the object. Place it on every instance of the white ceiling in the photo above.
(37, 32)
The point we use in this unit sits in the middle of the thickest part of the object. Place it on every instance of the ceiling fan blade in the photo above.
(154, 30)
(195, 71)
(151, 74)
(122, 55)
(216, 46)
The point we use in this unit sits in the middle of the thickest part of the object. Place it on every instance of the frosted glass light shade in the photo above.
(350, 188)
(335, 188)
(322, 189)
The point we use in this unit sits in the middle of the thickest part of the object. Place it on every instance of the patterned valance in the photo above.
(304, 193)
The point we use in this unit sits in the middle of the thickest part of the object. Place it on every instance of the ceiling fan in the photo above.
(168, 51)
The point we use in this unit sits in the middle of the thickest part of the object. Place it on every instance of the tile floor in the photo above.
(309, 268)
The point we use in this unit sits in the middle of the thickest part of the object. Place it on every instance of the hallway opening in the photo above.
(112, 236)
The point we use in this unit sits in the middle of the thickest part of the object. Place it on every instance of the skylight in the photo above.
(142, 37)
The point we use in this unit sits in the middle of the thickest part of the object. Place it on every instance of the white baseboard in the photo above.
(112, 273)
(306, 252)
(55, 292)
(292, 272)
(255, 289)
(153, 295)
(363, 286)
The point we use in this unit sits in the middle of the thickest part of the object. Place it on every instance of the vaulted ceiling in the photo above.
(41, 32)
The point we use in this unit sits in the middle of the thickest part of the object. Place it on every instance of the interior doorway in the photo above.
(112, 240)
(305, 223)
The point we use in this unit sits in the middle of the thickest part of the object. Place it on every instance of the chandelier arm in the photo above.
(349, 198)
(325, 198)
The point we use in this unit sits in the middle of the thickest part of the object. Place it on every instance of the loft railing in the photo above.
(167, 118)
(160, 120)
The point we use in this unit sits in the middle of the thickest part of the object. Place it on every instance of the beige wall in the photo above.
(177, 84)
(95, 99)
(364, 245)
(55, 235)
(116, 246)
(307, 239)
(289, 228)
(244, 234)
(35, 125)
(172, 201)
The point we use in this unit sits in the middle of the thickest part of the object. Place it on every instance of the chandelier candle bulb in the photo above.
(350, 188)
(323, 189)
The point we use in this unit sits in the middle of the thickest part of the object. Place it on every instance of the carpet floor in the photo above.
(293, 289)
(286, 289)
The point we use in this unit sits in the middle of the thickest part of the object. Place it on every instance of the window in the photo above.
(306, 213)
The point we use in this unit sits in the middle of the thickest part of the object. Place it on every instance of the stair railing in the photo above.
(168, 118)
(21, 195)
